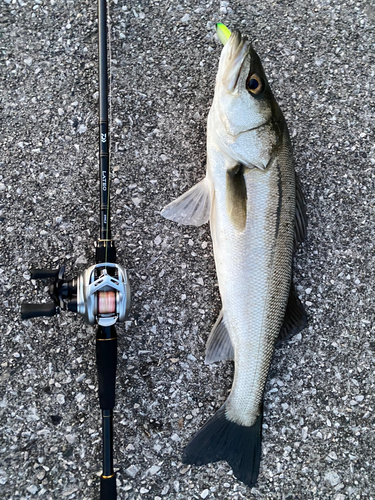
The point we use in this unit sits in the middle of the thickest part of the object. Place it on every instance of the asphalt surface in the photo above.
(319, 403)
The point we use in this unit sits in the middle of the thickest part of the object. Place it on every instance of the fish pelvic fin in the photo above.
(191, 208)
(295, 318)
(222, 439)
(219, 346)
(236, 196)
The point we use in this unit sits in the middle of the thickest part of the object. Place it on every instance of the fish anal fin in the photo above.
(222, 439)
(191, 208)
(300, 223)
(219, 346)
(295, 318)
(236, 196)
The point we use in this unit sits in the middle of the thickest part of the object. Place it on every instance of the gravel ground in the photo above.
(319, 404)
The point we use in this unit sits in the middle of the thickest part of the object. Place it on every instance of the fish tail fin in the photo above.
(222, 439)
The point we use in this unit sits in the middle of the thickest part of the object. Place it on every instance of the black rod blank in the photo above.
(105, 231)
(106, 360)
(106, 339)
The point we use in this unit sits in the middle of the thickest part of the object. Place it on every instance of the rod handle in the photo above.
(36, 310)
(41, 274)
(108, 488)
(106, 360)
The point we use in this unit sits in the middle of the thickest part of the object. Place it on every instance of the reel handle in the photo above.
(35, 310)
(41, 274)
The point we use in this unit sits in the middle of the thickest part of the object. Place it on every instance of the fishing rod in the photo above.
(101, 294)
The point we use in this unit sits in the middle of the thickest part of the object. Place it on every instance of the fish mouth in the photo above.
(238, 48)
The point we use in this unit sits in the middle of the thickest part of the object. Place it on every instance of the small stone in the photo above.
(142, 491)
(81, 260)
(3, 476)
(80, 397)
(165, 490)
(70, 438)
(157, 240)
(28, 61)
(308, 291)
(32, 489)
(136, 201)
(2, 187)
(185, 18)
(205, 493)
(153, 470)
(175, 437)
(41, 474)
(132, 471)
(305, 432)
(82, 128)
(332, 477)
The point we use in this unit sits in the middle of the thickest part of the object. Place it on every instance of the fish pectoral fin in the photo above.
(236, 196)
(300, 224)
(295, 318)
(191, 208)
(219, 346)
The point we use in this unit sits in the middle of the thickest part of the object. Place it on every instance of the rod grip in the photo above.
(106, 360)
(36, 310)
(108, 488)
(41, 274)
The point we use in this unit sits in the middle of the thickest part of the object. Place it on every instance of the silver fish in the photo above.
(255, 206)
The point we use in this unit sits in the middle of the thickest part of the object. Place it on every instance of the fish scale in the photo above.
(258, 269)
(255, 207)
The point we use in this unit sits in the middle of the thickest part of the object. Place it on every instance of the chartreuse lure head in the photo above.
(223, 33)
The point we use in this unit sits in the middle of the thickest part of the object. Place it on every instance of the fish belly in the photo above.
(254, 272)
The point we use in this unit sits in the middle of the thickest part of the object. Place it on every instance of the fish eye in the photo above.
(254, 84)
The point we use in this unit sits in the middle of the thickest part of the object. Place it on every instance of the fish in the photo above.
(252, 197)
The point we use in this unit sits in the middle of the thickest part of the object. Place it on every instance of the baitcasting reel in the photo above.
(101, 294)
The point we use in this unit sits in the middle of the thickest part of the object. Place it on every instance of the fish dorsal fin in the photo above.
(295, 318)
(191, 208)
(300, 224)
(219, 346)
(236, 196)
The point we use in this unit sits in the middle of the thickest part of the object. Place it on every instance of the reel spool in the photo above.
(106, 303)
(104, 299)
